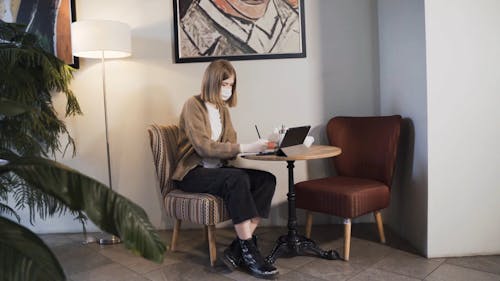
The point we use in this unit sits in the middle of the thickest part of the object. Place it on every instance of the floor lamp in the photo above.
(102, 39)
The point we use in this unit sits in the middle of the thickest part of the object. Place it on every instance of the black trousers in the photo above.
(247, 193)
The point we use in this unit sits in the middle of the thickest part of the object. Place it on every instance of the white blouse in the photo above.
(216, 127)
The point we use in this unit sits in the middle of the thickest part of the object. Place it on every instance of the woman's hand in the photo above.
(258, 146)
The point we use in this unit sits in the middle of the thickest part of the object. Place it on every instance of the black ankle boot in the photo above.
(232, 254)
(254, 261)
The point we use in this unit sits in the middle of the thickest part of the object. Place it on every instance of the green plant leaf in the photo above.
(25, 256)
(109, 210)
(12, 108)
(29, 76)
(5, 209)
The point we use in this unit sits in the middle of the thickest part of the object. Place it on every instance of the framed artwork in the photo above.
(205, 30)
(49, 19)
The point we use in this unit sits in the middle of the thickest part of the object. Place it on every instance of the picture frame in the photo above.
(49, 19)
(205, 30)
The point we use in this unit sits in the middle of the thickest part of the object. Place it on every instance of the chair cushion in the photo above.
(201, 208)
(342, 196)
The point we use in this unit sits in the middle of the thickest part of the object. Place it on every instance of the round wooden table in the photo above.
(293, 244)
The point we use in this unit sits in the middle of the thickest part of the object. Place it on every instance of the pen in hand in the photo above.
(257, 129)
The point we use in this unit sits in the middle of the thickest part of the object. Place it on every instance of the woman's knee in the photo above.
(264, 177)
(270, 179)
(267, 180)
(237, 179)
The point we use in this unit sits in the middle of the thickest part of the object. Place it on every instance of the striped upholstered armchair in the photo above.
(200, 208)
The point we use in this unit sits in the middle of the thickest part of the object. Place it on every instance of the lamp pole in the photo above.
(101, 39)
(113, 239)
(106, 119)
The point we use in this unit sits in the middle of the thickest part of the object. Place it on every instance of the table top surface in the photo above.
(313, 152)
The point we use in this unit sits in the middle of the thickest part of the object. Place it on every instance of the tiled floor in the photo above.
(370, 260)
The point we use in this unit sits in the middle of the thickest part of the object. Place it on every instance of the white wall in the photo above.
(463, 94)
(439, 67)
(403, 91)
(339, 76)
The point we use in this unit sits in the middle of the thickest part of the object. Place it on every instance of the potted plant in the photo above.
(29, 136)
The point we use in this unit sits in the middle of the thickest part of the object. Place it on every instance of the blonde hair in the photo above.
(216, 72)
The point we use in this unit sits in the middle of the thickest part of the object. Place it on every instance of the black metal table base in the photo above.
(294, 244)
(298, 245)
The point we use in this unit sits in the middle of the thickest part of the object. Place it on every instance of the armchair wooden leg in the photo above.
(347, 238)
(211, 244)
(175, 234)
(205, 232)
(309, 221)
(380, 226)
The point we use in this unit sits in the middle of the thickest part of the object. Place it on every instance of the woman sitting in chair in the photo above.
(207, 140)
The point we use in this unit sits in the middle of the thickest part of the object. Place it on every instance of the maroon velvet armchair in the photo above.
(364, 173)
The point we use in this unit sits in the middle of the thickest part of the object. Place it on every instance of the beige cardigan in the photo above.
(195, 141)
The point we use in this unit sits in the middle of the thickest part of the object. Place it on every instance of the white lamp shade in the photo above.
(95, 38)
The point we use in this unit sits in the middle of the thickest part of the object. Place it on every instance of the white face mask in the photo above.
(226, 93)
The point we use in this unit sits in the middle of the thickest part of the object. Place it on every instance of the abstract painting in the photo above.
(238, 29)
(49, 19)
